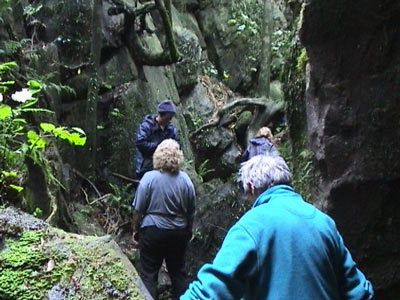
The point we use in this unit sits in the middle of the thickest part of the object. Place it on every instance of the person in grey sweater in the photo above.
(164, 207)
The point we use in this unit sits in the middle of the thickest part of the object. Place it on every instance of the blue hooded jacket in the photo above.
(281, 249)
(258, 145)
(148, 136)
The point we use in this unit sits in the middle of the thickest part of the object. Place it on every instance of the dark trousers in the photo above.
(155, 245)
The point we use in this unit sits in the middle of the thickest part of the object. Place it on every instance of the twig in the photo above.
(218, 227)
(99, 199)
(88, 180)
(125, 178)
(86, 195)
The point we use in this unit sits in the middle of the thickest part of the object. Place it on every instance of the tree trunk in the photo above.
(89, 162)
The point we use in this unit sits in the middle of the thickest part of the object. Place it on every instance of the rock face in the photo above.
(353, 112)
(41, 262)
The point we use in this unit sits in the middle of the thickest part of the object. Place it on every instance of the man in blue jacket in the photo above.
(152, 130)
(282, 249)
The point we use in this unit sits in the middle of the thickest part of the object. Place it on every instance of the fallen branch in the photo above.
(99, 199)
(238, 102)
(136, 181)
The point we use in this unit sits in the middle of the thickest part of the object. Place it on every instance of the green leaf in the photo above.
(35, 141)
(35, 110)
(29, 103)
(47, 127)
(18, 188)
(9, 173)
(19, 120)
(5, 111)
(76, 139)
(7, 82)
(7, 66)
(33, 84)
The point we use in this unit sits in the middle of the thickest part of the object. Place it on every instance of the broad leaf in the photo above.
(5, 111)
(35, 141)
(47, 127)
(33, 84)
(76, 139)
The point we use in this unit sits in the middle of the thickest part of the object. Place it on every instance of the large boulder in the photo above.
(186, 71)
(353, 110)
(217, 154)
(38, 262)
(217, 210)
(227, 42)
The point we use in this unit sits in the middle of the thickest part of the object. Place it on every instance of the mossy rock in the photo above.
(39, 261)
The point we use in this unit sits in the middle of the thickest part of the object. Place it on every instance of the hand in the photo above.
(135, 239)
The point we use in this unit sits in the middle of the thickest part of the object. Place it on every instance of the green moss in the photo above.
(23, 273)
(86, 268)
(301, 61)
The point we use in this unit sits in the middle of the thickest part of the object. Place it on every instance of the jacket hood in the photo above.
(259, 140)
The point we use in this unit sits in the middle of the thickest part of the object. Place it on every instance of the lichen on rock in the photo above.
(38, 261)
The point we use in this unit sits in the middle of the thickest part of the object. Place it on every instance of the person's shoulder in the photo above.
(149, 176)
(148, 119)
(183, 174)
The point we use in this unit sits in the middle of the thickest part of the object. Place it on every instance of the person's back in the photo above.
(300, 253)
(261, 144)
(282, 248)
(176, 192)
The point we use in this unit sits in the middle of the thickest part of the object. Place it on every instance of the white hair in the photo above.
(264, 171)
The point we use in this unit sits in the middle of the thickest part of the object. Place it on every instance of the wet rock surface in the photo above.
(14, 221)
(353, 111)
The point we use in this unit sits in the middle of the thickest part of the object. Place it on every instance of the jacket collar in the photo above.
(267, 195)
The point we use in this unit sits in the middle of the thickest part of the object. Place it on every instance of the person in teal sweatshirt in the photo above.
(282, 249)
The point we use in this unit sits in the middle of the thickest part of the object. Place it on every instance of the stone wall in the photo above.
(353, 113)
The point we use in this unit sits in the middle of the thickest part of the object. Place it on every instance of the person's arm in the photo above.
(245, 155)
(136, 218)
(234, 264)
(143, 139)
(139, 205)
(352, 282)
(191, 195)
(175, 135)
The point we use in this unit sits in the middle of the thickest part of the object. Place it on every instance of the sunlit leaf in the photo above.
(18, 188)
(36, 141)
(9, 173)
(7, 66)
(33, 84)
(47, 127)
(5, 111)
(7, 82)
(76, 139)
